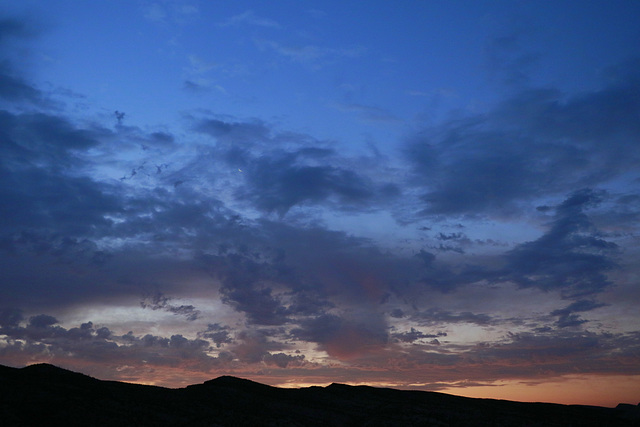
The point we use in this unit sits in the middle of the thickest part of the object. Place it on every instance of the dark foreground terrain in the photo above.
(46, 395)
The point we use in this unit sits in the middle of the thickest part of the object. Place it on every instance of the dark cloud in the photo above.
(42, 321)
(259, 305)
(244, 277)
(451, 236)
(10, 317)
(571, 257)
(41, 204)
(524, 356)
(277, 184)
(434, 316)
(570, 321)
(45, 200)
(257, 346)
(164, 138)
(218, 334)
(508, 58)
(472, 171)
(281, 170)
(159, 301)
(397, 313)
(567, 316)
(281, 272)
(14, 28)
(578, 306)
(369, 113)
(194, 87)
(594, 127)
(415, 335)
(342, 338)
(445, 277)
(283, 360)
(234, 133)
(537, 142)
(558, 354)
(46, 138)
(447, 248)
(41, 340)
(16, 89)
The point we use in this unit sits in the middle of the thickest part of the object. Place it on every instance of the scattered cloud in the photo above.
(310, 55)
(242, 244)
(250, 18)
(538, 142)
(370, 113)
(167, 11)
(572, 256)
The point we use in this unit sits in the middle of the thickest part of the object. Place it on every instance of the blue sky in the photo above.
(426, 195)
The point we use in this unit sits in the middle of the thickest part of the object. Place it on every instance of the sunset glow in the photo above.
(421, 195)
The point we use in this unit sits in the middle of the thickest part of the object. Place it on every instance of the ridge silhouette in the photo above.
(44, 394)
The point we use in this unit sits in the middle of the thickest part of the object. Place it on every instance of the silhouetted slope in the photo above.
(47, 395)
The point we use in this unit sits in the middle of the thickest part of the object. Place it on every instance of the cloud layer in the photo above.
(495, 245)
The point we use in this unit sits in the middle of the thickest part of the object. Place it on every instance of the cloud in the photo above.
(310, 55)
(570, 257)
(277, 184)
(10, 317)
(49, 138)
(159, 301)
(255, 346)
(342, 338)
(471, 172)
(41, 202)
(369, 113)
(41, 340)
(566, 316)
(259, 305)
(11, 28)
(235, 133)
(437, 316)
(518, 356)
(586, 352)
(283, 360)
(281, 170)
(202, 85)
(415, 335)
(537, 142)
(163, 11)
(255, 213)
(218, 334)
(42, 321)
(508, 58)
(15, 89)
(249, 18)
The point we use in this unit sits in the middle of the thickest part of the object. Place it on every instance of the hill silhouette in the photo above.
(44, 394)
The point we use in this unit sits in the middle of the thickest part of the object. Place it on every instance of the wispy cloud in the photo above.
(250, 18)
(369, 113)
(310, 54)
(163, 11)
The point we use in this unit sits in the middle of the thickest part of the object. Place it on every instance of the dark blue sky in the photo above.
(426, 195)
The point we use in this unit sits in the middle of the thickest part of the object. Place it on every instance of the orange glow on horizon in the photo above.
(592, 389)
(598, 390)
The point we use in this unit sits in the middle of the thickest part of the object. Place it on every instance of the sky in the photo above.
(416, 194)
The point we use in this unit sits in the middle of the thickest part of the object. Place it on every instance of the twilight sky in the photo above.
(415, 194)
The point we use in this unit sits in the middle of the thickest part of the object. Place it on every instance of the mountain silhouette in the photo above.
(44, 394)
